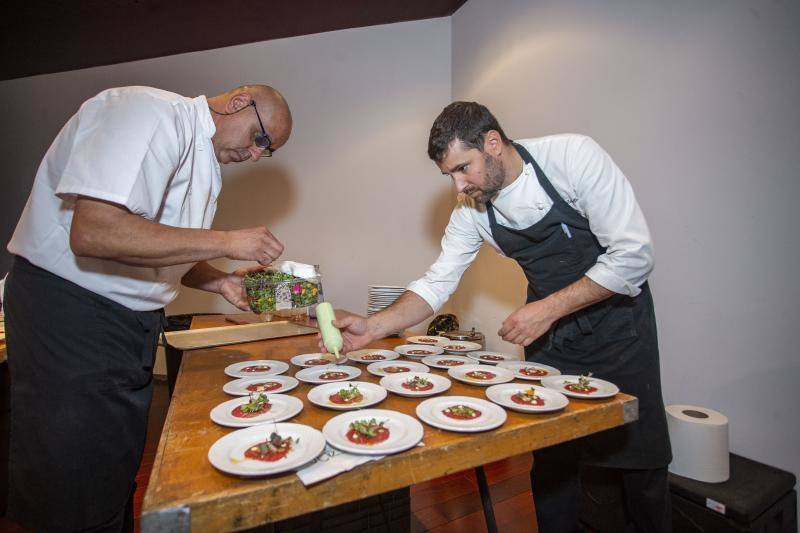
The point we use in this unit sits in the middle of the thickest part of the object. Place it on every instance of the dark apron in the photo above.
(81, 384)
(614, 339)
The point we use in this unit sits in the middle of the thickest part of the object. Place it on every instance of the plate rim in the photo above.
(269, 472)
(457, 429)
(576, 395)
(523, 409)
(358, 360)
(234, 374)
(417, 394)
(345, 407)
(293, 383)
(416, 424)
(379, 363)
(452, 369)
(327, 369)
(244, 424)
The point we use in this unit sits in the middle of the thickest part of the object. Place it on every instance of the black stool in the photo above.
(756, 499)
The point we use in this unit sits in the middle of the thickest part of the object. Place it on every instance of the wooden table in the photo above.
(185, 492)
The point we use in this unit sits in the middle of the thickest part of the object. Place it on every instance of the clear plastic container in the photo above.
(274, 293)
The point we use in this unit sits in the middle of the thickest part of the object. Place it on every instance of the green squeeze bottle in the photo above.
(331, 336)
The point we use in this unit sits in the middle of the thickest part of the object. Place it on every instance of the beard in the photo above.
(495, 175)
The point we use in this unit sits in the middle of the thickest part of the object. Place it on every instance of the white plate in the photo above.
(404, 350)
(427, 339)
(491, 358)
(236, 370)
(405, 432)
(433, 361)
(227, 454)
(377, 369)
(372, 394)
(238, 387)
(394, 383)
(501, 395)
(358, 355)
(605, 389)
(303, 359)
(459, 346)
(501, 375)
(283, 408)
(314, 374)
(517, 366)
(430, 412)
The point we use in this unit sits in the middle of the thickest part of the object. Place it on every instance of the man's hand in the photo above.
(533, 320)
(231, 288)
(253, 244)
(355, 332)
(528, 323)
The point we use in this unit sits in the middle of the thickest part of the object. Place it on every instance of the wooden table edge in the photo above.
(204, 512)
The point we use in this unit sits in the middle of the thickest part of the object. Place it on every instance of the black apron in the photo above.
(81, 384)
(614, 339)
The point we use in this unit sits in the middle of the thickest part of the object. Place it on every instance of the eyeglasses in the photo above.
(262, 139)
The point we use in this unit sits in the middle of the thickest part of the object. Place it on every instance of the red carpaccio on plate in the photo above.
(271, 450)
(367, 432)
(533, 371)
(395, 369)
(418, 352)
(266, 386)
(449, 362)
(417, 384)
(527, 397)
(480, 374)
(373, 357)
(256, 368)
(492, 358)
(330, 376)
(461, 412)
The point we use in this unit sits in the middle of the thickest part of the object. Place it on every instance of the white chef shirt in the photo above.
(584, 175)
(143, 148)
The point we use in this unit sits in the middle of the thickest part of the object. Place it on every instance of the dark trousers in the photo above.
(81, 384)
(557, 493)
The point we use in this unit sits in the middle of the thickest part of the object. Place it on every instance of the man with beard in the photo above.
(119, 217)
(563, 210)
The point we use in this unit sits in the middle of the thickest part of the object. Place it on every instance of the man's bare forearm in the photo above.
(204, 277)
(575, 296)
(107, 231)
(406, 311)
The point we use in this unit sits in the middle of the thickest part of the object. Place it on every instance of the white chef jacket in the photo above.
(143, 148)
(584, 175)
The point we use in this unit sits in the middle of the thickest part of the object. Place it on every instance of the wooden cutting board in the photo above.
(194, 339)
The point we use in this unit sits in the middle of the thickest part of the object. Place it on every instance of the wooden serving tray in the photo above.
(194, 339)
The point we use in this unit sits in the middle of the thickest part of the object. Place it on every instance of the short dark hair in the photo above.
(465, 121)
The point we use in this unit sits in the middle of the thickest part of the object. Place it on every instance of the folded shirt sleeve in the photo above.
(124, 151)
(460, 246)
(606, 198)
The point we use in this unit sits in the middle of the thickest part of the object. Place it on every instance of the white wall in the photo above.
(353, 190)
(698, 104)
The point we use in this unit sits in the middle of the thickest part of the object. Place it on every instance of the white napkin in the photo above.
(298, 270)
(331, 463)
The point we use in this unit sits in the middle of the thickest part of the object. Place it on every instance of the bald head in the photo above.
(273, 109)
(236, 129)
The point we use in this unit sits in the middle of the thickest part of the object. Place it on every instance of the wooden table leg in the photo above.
(486, 500)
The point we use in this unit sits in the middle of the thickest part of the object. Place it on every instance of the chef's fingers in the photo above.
(528, 341)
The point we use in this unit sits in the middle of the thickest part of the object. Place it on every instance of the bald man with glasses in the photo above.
(119, 217)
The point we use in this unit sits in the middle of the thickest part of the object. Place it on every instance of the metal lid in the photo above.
(458, 335)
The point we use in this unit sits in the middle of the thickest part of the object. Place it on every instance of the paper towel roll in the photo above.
(699, 439)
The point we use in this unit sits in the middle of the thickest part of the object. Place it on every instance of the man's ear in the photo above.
(238, 102)
(492, 143)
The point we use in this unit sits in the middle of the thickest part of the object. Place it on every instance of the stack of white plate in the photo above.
(382, 296)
